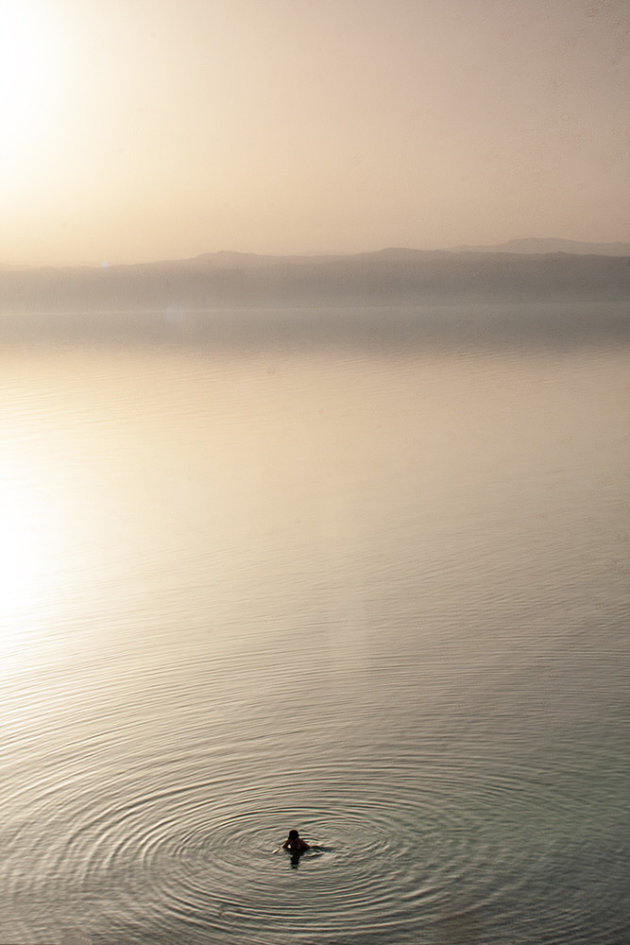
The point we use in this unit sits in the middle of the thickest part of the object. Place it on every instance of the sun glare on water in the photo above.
(26, 550)
(34, 581)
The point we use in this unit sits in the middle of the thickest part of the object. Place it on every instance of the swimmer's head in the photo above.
(294, 835)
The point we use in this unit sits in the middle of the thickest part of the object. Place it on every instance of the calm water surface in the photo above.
(379, 595)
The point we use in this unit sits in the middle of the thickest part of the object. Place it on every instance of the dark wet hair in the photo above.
(293, 835)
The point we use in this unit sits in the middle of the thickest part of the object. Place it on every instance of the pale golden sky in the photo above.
(143, 129)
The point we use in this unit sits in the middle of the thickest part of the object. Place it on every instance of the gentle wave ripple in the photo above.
(407, 848)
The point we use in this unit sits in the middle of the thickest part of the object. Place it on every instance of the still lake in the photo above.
(375, 591)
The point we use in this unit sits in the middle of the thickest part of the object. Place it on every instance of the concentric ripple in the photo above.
(381, 599)
(402, 850)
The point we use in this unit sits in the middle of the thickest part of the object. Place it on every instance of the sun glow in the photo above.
(31, 72)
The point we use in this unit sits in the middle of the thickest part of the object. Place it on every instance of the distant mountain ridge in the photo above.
(390, 277)
(233, 259)
(534, 245)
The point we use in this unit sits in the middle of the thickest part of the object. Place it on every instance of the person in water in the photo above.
(294, 844)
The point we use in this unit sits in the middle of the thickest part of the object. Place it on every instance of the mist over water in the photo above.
(374, 588)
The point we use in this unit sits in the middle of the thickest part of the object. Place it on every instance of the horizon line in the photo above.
(314, 254)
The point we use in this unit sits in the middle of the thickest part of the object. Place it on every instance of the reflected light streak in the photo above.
(29, 545)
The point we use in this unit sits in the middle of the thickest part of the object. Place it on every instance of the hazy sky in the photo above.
(142, 129)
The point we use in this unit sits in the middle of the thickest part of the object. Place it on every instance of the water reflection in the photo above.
(30, 538)
(459, 924)
(406, 572)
